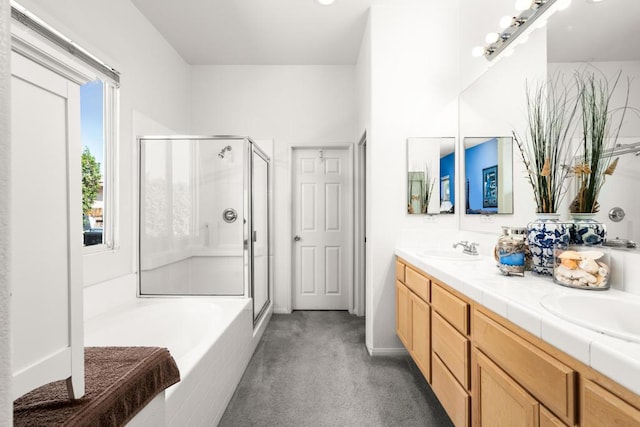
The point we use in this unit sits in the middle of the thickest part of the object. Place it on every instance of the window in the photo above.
(92, 139)
(97, 110)
(98, 119)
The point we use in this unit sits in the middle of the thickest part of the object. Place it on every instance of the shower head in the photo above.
(224, 150)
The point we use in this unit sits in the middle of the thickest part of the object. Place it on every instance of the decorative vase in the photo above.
(543, 234)
(586, 230)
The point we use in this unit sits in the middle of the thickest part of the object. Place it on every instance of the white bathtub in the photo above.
(211, 339)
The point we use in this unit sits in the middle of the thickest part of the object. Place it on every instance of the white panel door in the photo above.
(46, 229)
(322, 218)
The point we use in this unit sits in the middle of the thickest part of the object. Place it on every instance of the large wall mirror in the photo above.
(488, 175)
(495, 105)
(603, 37)
(431, 176)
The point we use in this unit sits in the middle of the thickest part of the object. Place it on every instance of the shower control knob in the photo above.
(229, 215)
(616, 214)
(297, 238)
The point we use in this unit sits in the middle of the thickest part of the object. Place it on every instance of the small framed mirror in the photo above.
(488, 172)
(430, 176)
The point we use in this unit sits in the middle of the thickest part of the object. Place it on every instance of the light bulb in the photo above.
(563, 4)
(477, 51)
(492, 38)
(523, 4)
(506, 21)
(325, 2)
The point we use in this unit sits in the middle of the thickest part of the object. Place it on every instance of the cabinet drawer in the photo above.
(418, 283)
(452, 396)
(548, 380)
(600, 407)
(452, 308)
(452, 348)
(400, 271)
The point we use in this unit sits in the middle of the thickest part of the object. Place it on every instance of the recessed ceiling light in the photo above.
(325, 2)
(594, 1)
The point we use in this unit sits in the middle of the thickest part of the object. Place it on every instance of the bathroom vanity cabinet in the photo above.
(487, 371)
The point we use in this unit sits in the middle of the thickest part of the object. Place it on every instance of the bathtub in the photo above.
(211, 339)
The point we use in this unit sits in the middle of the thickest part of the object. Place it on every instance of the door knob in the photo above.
(297, 238)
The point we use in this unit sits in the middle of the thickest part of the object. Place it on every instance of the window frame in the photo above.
(43, 51)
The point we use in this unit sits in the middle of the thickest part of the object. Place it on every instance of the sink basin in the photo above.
(616, 316)
(448, 255)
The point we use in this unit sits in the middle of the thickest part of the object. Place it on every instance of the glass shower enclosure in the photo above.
(204, 204)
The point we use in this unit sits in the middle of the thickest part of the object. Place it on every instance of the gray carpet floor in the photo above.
(311, 368)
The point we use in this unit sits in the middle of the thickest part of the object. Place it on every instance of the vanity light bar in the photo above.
(518, 25)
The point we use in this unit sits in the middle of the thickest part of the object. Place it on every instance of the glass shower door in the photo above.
(192, 215)
(260, 233)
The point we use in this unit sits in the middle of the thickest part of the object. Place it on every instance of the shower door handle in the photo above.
(254, 236)
(297, 238)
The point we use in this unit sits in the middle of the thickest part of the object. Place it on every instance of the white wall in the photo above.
(294, 106)
(414, 88)
(6, 402)
(154, 82)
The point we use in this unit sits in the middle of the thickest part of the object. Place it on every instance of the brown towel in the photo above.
(119, 382)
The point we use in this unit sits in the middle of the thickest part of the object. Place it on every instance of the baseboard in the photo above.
(281, 310)
(387, 351)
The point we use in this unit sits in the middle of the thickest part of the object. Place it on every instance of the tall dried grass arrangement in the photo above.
(546, 148)
(428, 189)
(601, 126)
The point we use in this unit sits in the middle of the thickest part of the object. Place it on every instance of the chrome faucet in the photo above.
(468, 248)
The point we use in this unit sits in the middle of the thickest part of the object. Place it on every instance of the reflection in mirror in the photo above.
(430, 175)
(602, 37)
(488, 175)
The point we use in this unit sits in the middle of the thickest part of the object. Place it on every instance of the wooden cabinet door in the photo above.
(452, 396)
(601, 408)
(499, 400)
(547, 419)
(551, 382)
(403, 315)
(421, 331)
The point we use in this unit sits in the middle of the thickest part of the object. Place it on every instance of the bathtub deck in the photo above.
(211, 361)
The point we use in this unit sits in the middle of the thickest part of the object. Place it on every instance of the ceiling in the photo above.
(261, 32)
(588, 31)
(302, 32)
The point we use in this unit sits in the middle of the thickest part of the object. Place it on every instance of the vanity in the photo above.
(493, 355)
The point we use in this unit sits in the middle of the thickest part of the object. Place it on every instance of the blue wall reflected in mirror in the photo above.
(488, 175)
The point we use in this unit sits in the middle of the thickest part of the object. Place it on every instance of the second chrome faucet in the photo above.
(467, 248)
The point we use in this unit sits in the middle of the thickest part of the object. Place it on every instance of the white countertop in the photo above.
(518, 300)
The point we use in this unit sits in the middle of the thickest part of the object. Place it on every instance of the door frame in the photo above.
(360, 226)
(292, 231)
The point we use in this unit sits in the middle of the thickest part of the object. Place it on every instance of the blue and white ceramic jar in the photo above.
(585, 230)
(543, 234)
